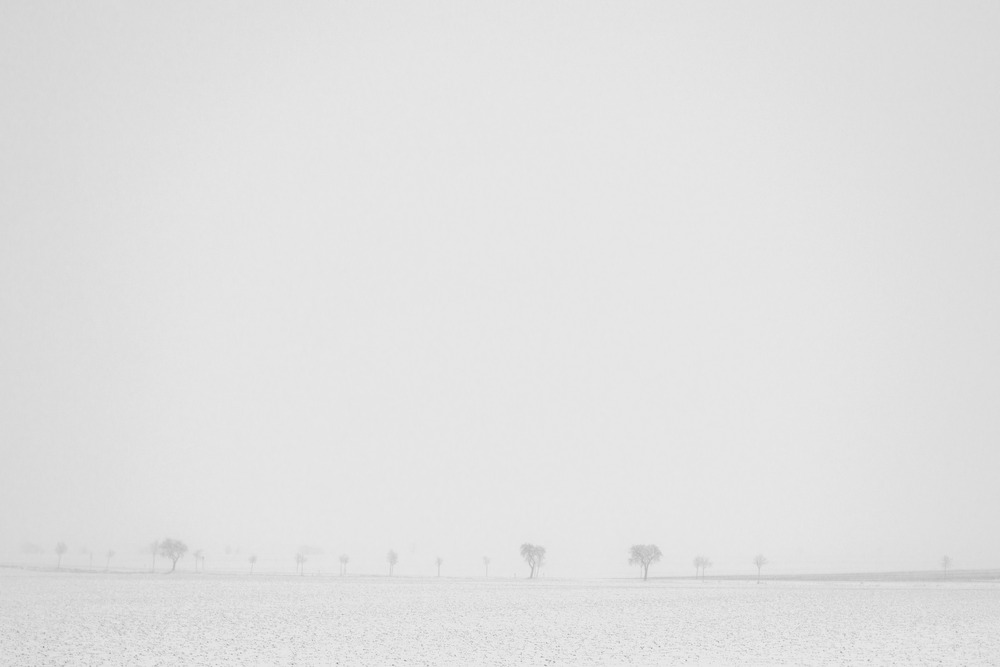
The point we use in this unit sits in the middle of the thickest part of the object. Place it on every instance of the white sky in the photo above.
(449, 277)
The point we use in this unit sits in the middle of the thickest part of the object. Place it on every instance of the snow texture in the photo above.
(49, 618)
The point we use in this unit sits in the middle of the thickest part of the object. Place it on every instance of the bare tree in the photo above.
(110, 555)
(300, 563)
(174, 550)
(253, 561)
(760, 562)
(534, 556)
(61, 549)
(199, 556)
(438, 561)
(392, 558)
(344, 560)
(945, 564)
(701, 563)
(644, 555)
(486, 562)
(698, 562)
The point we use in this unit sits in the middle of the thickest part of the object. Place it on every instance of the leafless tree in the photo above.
(61, 549)
(945, 564)
(760, 562)
(534, 556)
(300, 563)
(701, 563)
(438, 561)
(109, 555)
(174, 550)
(644, 555)
(392, 558)
(344, 560)
(486, 562)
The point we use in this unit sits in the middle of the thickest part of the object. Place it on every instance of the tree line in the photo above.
(640, 555)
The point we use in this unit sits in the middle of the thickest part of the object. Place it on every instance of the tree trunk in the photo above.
(173, 567)
(645, 572)
(59, 562)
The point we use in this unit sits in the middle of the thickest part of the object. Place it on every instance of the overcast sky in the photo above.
(449, 277)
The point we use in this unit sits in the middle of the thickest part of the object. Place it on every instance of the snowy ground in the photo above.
(135, 619)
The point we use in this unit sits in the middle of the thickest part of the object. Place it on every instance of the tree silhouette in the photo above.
(534, 556)
(701, 563)
(945, 564)
(61, 549)
(199, 555)
(253, 561)
(344, 560)
(438, 561)
(174, 550)
(644, 555)
(110, 555)
(760, 562)
(300, 563)
(486, 562)
(392, 558)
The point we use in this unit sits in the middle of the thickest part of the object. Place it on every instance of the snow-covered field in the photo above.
(183, 619)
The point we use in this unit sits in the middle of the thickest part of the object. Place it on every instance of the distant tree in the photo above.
(110, 555)
(644, 555)
(61, 549)
(534, 556)
(199, 556)
(253, 561)
(344, 560)
(945, 564)
(174, 550)
(153, 548)
(486, 562)
(300, 563)
(760, 562)
(438, 562)
(701, 563)
(392, 558)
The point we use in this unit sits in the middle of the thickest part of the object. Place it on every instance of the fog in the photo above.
(450, 277)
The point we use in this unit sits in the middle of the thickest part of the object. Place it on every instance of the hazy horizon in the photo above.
(451, 277)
